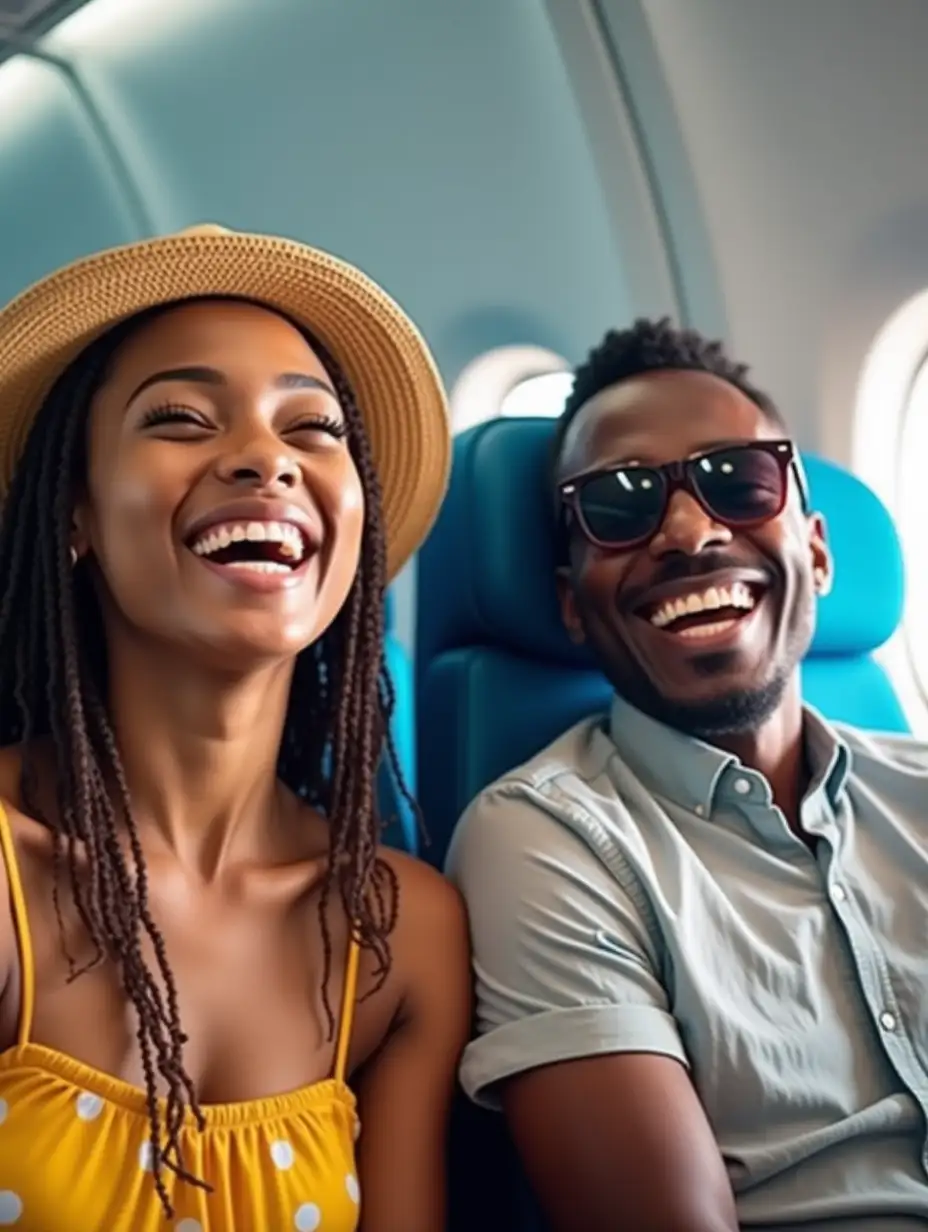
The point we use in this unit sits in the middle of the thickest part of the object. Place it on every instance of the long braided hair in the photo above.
(53, 688)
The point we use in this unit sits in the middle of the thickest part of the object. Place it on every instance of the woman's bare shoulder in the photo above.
(430, 971)
(424, 893)
(431, 932)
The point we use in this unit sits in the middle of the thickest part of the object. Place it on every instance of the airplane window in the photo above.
(539, 395)
(890, 449)
(912, 518)
(512, 380)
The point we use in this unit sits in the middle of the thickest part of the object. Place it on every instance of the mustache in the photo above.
(678, 567)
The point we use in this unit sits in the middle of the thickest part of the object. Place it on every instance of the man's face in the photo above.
(724, 665)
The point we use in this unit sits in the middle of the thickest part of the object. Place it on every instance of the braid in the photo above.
(338, 728)
(53, 685)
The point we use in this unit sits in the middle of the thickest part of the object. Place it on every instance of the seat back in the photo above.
(401, 827)
(498, 677)
(840, 676)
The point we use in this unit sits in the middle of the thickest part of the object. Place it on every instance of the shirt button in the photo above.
(699, 810)
(742, 787)
(839, 894)
(888, 1021)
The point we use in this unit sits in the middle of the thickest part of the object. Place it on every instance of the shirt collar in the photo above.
(829, 756)
(689, 772)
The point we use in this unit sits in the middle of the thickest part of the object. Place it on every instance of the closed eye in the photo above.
(321, 423)
(170, 413)
(182, 416)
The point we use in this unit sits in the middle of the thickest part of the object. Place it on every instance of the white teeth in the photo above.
(737, 595)
(258, 566)
(709, 630)
(283, 533)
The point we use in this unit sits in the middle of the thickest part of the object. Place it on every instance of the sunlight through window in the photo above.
(510, 381)
(912, 520)
(540, 395)
(890, 452)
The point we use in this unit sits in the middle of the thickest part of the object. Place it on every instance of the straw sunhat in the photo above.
(384, 357)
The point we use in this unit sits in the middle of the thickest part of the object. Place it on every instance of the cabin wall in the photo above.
(435, 144)
(791, 137)
(58, 196)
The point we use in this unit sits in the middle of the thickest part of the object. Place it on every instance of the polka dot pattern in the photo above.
(308, 1218)
(11, 1208)
(89, 1106)
(282, 1155)
(279, 1153)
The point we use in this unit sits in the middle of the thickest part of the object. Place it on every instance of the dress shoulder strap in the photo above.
(21, 925)
(349, 1000)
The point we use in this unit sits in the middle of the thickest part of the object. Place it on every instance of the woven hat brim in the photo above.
(386, 360)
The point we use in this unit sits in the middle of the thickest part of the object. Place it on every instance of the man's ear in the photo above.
(568, 602)
(823, 566)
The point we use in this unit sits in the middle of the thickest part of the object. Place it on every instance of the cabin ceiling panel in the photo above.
(24, 21)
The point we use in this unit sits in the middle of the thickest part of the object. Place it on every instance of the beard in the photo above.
(737, 712)
(742, 701)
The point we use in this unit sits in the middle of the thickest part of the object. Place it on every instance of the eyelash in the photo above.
(168, 413)
(171, 413)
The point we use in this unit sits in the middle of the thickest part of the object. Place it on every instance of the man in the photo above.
(701, 923)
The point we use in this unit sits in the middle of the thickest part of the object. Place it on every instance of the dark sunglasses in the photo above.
(738, 486)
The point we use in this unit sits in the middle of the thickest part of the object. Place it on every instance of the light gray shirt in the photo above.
(634, 890)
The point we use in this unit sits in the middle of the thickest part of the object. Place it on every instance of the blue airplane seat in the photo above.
(840, 676)
(498, 678)
(401, 826)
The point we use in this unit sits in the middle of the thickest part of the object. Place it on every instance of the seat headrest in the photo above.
(495, 537)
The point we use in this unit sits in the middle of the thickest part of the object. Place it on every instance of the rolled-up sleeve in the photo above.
(565, 965)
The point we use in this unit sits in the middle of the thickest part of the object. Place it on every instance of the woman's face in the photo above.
(223, 507)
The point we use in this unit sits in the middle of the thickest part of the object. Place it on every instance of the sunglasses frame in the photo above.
(678, 476)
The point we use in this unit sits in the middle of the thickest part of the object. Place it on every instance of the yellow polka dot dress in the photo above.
(75, 1150)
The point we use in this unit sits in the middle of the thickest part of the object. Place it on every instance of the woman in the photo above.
(201, 943)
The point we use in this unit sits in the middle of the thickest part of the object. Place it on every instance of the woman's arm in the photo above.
(405, 1089)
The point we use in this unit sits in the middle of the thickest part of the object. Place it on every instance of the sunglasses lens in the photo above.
(741, 485)
(623, 506)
